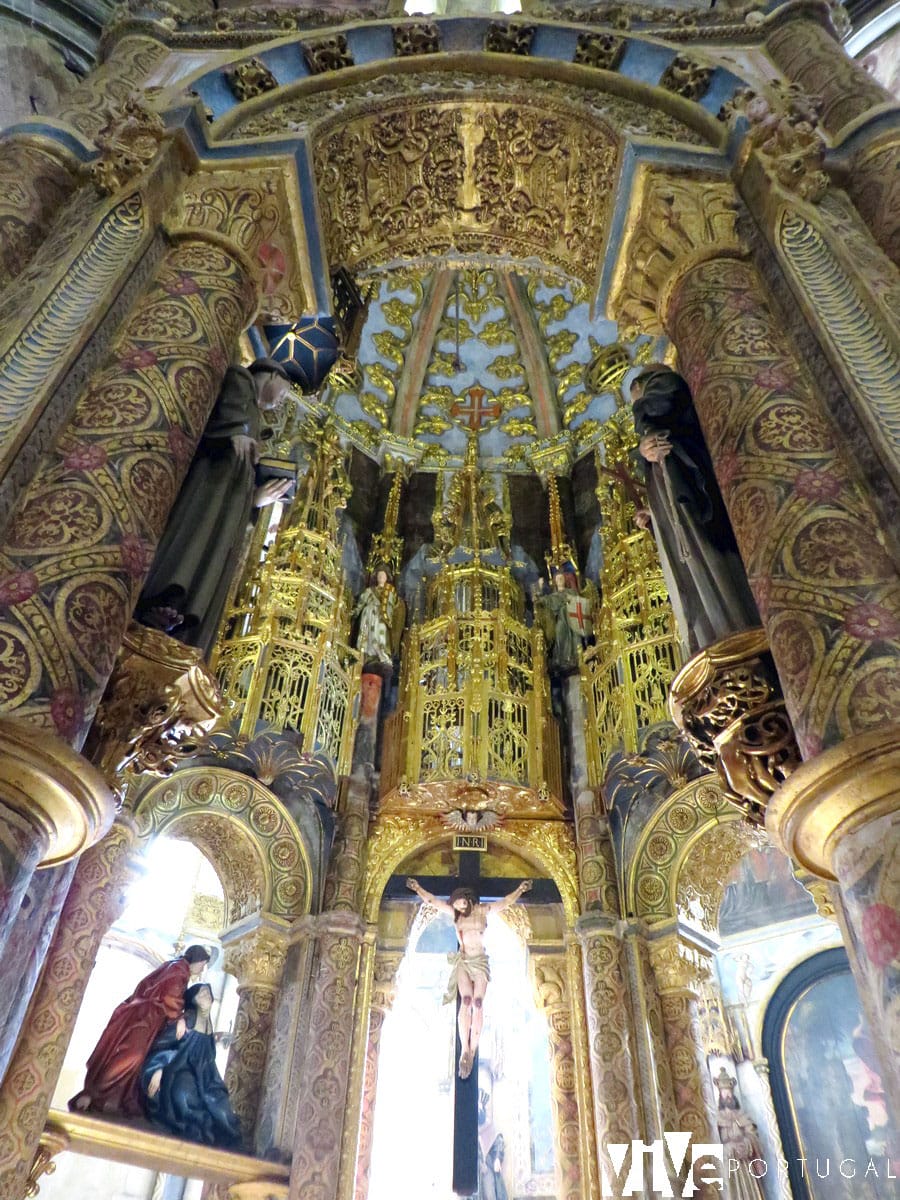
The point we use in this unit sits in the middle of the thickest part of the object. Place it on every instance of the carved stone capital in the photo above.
(678, 964)
(681, 222)
(727, 702)
(160, 700)
(784, 131)
(255, 955)
(67, 802)
(549, 979)
(384, 980)
(127, 144)
(834, 795)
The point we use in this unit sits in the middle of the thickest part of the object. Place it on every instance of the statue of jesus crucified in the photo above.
(471, 971)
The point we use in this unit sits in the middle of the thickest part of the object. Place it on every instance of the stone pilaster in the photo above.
(614, 1085)
(325, 1075)
(82, 535)
(679, 969)
(254, 953)
(769, 1127)
(387, 963)
(93, 903)
(551, 988)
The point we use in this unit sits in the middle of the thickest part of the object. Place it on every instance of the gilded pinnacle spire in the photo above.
(561, 551)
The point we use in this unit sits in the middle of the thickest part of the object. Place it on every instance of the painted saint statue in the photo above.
(471, 972)
(565, 619)
(112, 1078)
(382, 615)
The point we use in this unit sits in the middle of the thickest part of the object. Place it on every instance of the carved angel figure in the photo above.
(469, 821)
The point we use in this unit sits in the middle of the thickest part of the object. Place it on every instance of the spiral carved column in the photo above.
(92, 905)
(83, 533)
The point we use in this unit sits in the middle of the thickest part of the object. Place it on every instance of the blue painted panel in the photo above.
(307, 188)
(723, 87)
(645, 61)
(371, 43)
(551, 42)
(286, 62)
(215, 93)
(463, 34)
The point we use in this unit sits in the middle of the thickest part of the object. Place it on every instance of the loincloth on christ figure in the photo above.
(476, 966)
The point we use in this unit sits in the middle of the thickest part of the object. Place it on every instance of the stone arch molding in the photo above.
(474, 152)
(243, 829)
(548, 845)
(685, 854)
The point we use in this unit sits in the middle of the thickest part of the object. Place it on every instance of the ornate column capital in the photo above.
(728, 703)
(834, 795)
(384, 978)
(547, 967)
(682, 221)
(679, 962)
(160, 700)
(255, 951)
(55, 789)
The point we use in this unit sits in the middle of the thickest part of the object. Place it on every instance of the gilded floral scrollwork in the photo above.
(784, 129)
(327, 54)
(126, 144)
(509, 37)
(416, 37)
(687, 78)
(251, 78)
(602, 51)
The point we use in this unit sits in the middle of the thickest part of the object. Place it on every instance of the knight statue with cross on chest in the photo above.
(565, 618)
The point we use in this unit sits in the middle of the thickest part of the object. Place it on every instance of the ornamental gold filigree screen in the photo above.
(283, 659)
(474, 699)
(626, 676)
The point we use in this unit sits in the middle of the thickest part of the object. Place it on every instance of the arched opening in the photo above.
(413, 1156)
(176, 900)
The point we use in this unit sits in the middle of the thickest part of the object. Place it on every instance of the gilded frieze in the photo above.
(300, 114)
(519, 180)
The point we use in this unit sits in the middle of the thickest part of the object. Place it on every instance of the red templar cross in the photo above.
(474, 412)
(580, 615)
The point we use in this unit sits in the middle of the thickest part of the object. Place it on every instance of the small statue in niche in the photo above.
(700, 559)
(471, 972)
(564, 616)
(112, 1078)
(200, 548)
(740, 1139)
(183, 1090)
(382, 616)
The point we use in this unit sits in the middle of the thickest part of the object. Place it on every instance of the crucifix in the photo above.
(470, 406)
(489, 890)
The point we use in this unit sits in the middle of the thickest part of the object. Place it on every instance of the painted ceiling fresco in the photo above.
(515, 361)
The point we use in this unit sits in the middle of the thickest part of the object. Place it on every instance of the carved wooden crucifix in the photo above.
(465, 1103)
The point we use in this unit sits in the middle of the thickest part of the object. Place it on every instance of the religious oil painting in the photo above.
(836, 1098)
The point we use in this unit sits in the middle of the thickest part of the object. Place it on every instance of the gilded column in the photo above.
(550, 980)
(37, 175)
(327, 1111)
(255, 955)
(811, 57)
(82, 535)
(679, 969)
(616, 1111)
(93, 903)
(387, 963)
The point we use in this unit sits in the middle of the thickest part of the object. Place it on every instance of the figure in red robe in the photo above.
(112, 1078)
